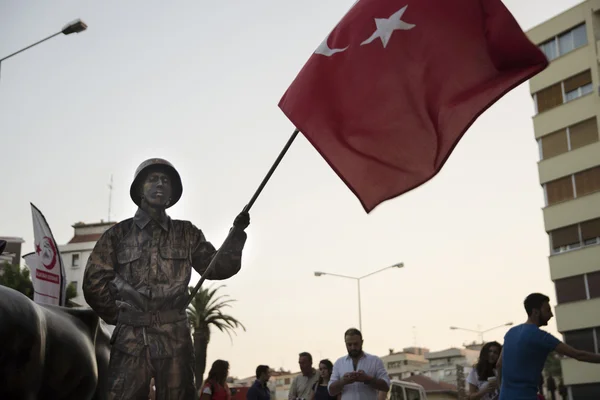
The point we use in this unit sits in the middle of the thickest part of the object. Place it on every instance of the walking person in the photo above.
(303, 383)
(259, 390)
(215, 386)
(482, 380)
(359, 375)
(319, 390)
(526, 348)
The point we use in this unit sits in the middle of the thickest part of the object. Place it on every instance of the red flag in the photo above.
(387, 96)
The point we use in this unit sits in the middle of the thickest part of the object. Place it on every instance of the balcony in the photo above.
(578, 315)
(575, 262)
(578, 373)
(572, 211)
(570, 162)
(562, 67)
(566, 114)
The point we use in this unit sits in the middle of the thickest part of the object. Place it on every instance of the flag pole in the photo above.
(247, 208)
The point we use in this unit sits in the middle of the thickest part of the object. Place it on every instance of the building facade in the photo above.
(567, 111)
(442, 364)
(12, 252)
(76, 253)
(410, 361)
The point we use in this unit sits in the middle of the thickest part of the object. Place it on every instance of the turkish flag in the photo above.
(390, 92)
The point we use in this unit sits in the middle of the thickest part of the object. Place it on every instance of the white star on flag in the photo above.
(387, 26)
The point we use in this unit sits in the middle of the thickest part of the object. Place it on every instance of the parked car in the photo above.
(402, 390)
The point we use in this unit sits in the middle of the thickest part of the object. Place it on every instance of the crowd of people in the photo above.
(509, 371)
(358, 375)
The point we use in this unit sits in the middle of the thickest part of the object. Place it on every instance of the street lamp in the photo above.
(76, 26)
(320, 273)
(480, 332)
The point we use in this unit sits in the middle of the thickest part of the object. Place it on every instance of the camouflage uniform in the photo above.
(153, 259)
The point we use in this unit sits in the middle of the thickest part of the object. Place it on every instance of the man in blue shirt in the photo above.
(526, 348)
(259, 390)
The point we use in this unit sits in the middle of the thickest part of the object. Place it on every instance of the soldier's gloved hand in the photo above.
(242, 221)
(116, 287)
(121, 290)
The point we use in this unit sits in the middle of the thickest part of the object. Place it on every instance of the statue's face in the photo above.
(157, 189)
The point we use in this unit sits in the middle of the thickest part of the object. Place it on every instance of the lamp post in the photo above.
(358, 279)
(480, 332)
(76, 26)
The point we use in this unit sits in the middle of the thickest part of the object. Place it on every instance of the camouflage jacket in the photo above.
(156, 259)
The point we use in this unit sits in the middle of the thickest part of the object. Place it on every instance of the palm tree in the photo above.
(206, 309)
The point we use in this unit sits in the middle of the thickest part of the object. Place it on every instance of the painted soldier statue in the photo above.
(137, 279)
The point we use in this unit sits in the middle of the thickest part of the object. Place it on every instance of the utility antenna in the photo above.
(110, 189)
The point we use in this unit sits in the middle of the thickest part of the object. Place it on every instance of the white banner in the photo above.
(45, 264)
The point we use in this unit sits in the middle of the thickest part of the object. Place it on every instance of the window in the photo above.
(549, 98)
(587, 181)
(583, 133)
(570, 138)
(590, 231)
(570, 289)
(412, 394)
(582, 339)
(565, 43)
(75, 261)
(559, 190)
(585, 392)
(287, 381)
(573, 186)
(565, 238)
(555, 143)
(593, 281)
(578, 85)
(550, 49)
(397, 393)
(572, 40)
(572, 88)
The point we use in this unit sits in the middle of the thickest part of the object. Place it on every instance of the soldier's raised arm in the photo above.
(230, 259)
(99, 272)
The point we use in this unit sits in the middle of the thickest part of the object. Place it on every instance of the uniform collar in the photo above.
(142, 219)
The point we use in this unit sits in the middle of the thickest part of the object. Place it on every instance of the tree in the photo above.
(71, 294)
(14, 277)
(206, 310)
(552, 367)
(17, 278)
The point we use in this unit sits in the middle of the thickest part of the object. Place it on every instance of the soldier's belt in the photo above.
(135, 318)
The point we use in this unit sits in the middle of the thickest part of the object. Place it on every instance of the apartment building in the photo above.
(406, 363)
(567, 111)
(76, 253)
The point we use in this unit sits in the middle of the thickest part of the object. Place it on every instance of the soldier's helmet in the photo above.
(164, 166)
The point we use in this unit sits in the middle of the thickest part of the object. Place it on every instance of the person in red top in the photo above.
(215, 387)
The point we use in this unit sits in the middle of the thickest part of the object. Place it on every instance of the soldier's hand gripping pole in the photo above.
(246, 209)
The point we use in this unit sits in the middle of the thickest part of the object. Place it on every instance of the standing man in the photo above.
(526, 348)
(359, 375)
(303, 384)
(259, 390)
(137, 279)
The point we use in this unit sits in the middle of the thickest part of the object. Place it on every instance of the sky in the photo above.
(197, 83)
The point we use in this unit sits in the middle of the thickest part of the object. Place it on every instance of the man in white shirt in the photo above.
(359, 375)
